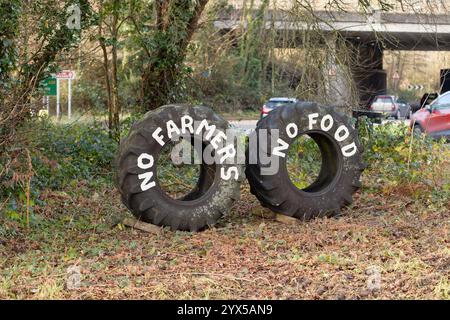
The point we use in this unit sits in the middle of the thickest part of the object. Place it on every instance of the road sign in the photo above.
(65, 74)
(50, 87)
(396, 76)
(416, 87)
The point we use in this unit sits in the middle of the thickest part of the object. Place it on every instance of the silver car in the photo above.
(274, 103)
(390, 107)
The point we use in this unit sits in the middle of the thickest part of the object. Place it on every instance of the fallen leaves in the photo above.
(249, 256)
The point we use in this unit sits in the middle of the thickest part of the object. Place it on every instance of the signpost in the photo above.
(51, 88)
(46, 103)
(396, 78)
(64, 75)
(416, 87)
(58, 101)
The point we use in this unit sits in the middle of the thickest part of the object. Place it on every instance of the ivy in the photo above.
(9, 27)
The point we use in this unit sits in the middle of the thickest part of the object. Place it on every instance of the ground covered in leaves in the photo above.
(246, 256)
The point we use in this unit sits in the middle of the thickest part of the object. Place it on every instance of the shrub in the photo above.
(57, 156)
(397, 159)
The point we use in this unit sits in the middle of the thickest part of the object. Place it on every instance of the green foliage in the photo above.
(253, 49)
(408, 96)
(127, 122)
(177, 180)
(43, 36)
(303, 162)
(230, 72)
(61, 157)
(241, 69)
(163, 47)
(80, 152)
(398, 158)
(9, 26)
(54, 34)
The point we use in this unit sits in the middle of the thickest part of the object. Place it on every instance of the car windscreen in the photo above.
(277, 103)
(428, 98)
(442, 103)
(383, 100)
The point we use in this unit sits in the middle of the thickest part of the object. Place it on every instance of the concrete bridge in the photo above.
(369, 34)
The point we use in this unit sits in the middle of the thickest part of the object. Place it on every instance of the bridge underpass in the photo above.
(368, 36)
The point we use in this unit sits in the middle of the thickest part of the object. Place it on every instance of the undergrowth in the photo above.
(400, 162)
(58, 157)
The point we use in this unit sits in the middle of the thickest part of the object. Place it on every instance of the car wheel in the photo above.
(418, 131)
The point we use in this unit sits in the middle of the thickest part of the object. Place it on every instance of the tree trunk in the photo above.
(115, 105)
(176, 23)
(105, 69)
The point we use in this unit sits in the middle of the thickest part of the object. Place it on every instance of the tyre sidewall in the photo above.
(289, 198)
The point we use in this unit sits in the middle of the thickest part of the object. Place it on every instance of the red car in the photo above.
(434, 119)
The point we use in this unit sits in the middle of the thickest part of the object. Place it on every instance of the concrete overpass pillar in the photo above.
(367, 68)
(338, 84)
(353, 74)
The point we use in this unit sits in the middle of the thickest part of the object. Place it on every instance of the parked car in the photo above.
(426, 99)
(389, 107)
(405, 109)
(274, 103)
(434, 119)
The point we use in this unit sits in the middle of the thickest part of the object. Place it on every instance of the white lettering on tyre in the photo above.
(146, 184)
(338, 135)
(312, 120)
(282, 146)
(226, 152)
(292, 134)
(158, 137)
(326, 127)
(326, 123)
(342, 133)
(349, 150)
(227, 174)
(187, 123)
(217, 139)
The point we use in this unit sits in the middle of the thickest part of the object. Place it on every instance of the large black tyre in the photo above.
(204, 205)
(339, 175)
